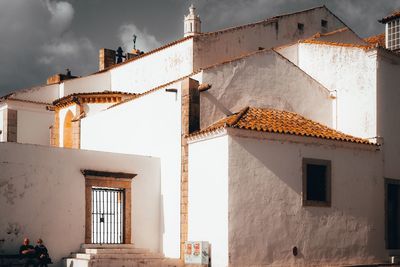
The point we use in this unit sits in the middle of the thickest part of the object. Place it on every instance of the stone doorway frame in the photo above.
(106, 179)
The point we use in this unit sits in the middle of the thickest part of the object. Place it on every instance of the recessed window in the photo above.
(316, 182)
(324, 23)
(300, 27)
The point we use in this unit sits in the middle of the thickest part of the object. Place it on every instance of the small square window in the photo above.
(324, 23)
(316, 182)
(300, 27)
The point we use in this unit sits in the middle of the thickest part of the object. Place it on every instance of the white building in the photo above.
(312, 85)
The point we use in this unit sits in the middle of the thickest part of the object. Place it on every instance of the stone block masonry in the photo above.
(190, 123)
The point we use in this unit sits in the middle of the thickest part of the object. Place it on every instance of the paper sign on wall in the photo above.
(197, 252)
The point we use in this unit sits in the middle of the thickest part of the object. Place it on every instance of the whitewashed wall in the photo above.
(149, 125)
(266, 216)
(351, 73)
(208, 196)
(223, 45)
(153, 70)
(34, 126)
(93, 83)
(42, 191)
(33, 122)
(43, 93)
(388, 75)
(265, 79)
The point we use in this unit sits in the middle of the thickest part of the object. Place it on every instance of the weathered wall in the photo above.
(42, 191)
(266, 216)
(351, 73)
(291, 52)
(265, 79)
(208, 196)
(148, 125)
(388, 71)
(222, 45)
(153, 70)
(93, 83)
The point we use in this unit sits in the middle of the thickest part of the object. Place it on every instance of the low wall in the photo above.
(42, 194)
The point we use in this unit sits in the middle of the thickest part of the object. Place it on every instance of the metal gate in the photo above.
(107, 215)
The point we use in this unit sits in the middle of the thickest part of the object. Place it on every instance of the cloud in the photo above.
(144, 42)
(62, 14)
(68, 51)
(37, 40)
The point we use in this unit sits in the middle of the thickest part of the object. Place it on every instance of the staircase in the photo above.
(118, 255)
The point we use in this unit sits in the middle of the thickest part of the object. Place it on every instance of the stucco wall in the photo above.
(33, 122)
(351, 73)
(43, 93)
(389, 111)
(42, 193)
(153, 70)
(92, 83)
(34, 126)
(265, 79)
(208, 196)
(266, 216)
(219, 46)
(148, 125)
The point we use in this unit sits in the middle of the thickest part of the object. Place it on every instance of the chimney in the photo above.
(134, 53)
(57, 78)
(106, 58)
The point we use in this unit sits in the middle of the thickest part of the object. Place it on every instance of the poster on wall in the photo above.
(197, 252)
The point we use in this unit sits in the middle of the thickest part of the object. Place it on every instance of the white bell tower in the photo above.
(192, 23)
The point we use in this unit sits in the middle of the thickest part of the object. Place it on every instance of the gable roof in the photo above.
(281, 122)
(390, 17)
(265, 21)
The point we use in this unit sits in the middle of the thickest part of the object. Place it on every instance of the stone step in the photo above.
(132, 263)
(69, 262)
(93, 246)
(114, 251)
(118, 256)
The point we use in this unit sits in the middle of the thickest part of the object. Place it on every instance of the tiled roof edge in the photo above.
(153, 89)
(146, 54)
(311, 41)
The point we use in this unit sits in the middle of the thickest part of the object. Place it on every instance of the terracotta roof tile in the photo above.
(278, 121)
(390, 17)
(313, 41)
(91, 97)
(377, 40)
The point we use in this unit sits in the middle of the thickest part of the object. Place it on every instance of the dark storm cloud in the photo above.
(41, 37)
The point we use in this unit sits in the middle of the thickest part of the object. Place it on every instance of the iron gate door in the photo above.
(107, 215)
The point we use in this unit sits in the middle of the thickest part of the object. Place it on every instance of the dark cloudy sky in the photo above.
(42, 37)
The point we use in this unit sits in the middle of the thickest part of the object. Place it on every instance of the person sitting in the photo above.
(28, 254)
(42, 253)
